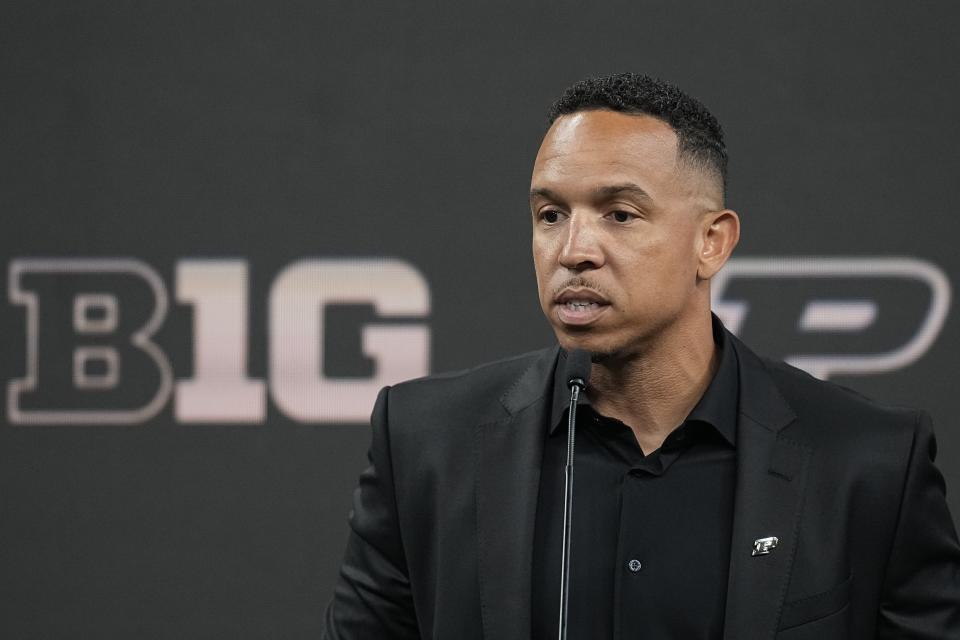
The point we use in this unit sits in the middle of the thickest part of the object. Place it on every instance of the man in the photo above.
(718, 495)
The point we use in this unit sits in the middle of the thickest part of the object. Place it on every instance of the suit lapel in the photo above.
(771, 477)
(508, 455)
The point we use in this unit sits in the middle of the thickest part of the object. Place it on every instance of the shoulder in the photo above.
(808, 394)
(831, 417)
(481, 393)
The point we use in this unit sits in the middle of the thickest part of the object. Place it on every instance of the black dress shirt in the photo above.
(651, 534)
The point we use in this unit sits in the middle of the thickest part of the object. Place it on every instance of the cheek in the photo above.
(681, 249)
(544, 254)
(662, 266)
(540, 267)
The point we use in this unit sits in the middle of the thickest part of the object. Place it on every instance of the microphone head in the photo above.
(578, 368)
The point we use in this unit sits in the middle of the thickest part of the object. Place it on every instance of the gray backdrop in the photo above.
(297, 147)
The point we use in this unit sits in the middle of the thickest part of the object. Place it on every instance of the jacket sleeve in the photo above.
(921, 589)
(372, 599)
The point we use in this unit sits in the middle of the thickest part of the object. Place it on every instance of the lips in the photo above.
(579, 307)
(579, 294)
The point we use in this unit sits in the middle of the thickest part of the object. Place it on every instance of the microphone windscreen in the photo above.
(578, 367)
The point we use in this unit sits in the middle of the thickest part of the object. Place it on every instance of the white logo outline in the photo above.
(733, 313)
(140, 339)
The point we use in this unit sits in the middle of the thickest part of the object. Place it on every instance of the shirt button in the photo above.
(634, 566)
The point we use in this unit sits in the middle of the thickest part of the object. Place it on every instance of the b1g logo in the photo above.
(834, 316)
(91, 355)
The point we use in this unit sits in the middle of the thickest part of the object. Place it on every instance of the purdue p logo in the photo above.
(834, 316)
(763, 546)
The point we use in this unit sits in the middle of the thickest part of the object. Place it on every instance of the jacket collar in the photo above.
(760, 398)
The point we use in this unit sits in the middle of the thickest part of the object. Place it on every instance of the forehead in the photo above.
(606, 146)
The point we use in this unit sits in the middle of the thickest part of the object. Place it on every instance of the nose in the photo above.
(581, 248)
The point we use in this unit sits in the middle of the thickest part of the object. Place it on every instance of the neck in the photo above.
(654, 391)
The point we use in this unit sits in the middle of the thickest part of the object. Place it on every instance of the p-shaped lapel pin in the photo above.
(763, 546)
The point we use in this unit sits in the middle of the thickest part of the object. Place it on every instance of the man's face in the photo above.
(618, 231)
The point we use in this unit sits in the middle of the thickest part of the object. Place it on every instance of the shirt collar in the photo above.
(717, 406)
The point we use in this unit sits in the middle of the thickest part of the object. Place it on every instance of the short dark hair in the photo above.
(699, 136)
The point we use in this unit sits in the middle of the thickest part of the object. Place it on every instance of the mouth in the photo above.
(580, 307)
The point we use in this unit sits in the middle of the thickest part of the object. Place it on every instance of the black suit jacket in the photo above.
(443, 519)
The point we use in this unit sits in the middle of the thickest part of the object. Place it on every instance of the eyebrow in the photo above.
(627, 188)
(538, 192)
(603, 192)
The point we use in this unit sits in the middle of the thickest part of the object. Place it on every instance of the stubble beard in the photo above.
(623, 353)
(611, 355)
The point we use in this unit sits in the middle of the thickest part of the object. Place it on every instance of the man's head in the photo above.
(699, 135)
(629, 224)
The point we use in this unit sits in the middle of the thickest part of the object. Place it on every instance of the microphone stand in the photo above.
(576, 385)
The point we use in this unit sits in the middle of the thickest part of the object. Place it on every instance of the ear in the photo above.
(720, 232)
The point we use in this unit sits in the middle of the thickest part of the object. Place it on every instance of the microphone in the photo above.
(577, 373)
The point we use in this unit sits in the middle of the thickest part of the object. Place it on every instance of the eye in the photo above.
(550, 216)
(622, 216)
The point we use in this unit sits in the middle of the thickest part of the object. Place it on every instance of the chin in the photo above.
(601, 357)
(599, 352)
